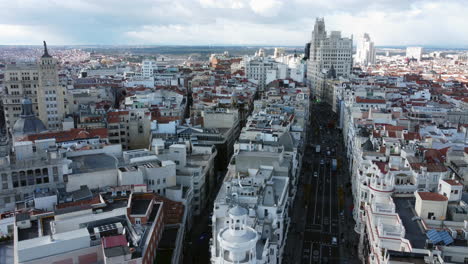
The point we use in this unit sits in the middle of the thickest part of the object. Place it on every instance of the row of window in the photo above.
(29, 177)
(158, 181)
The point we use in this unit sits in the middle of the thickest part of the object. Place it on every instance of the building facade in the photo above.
(40, 83)
(328, 52)
(365, 53)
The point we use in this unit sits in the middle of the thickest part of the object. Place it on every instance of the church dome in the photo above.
(28, 122)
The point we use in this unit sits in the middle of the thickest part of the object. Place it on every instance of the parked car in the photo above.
(315, 174)
(334, 241)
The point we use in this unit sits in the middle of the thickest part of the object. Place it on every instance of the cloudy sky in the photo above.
(230, 22)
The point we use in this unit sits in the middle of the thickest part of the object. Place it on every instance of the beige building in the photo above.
(50, 95)
(131, 128)
(21, 80)
(431, 205)
(40, 83)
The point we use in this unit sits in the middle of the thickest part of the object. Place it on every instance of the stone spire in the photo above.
(46, 53)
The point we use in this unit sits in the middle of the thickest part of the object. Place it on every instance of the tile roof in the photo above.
(369, 100)
(453, 182)
(114, 241)
(430, 196)
(69, 135)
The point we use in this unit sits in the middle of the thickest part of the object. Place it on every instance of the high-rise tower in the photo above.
(327, 50)
(365, 53)
(50, 94)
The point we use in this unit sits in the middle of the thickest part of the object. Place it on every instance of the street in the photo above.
(319, 216)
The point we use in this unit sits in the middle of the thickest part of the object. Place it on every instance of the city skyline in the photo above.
(231, 22)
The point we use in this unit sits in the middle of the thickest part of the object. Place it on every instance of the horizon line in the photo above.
(226, 45)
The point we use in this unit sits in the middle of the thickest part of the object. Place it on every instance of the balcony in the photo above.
(406, 188)
(383, 208)
(391, 230)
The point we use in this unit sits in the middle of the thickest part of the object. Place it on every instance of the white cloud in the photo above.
(234, 4)
(389, 22)
(433, 23)
(267, 8)
(20, 35)
(229, 32)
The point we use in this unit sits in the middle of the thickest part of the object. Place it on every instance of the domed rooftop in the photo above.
(237, 211)
(28, 122)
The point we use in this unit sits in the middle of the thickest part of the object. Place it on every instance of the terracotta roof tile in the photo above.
(430, 196)
(453, 182)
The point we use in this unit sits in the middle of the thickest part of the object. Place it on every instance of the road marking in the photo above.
(331, 196)
(316, 192)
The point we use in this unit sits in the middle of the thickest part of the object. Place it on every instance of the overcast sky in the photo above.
(231, 22)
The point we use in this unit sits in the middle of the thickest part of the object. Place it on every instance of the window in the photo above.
(430, 215)
(138, 221)
(14, 177)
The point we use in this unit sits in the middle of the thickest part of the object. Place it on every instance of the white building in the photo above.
(414, 53)
(147, 68)
(257, 70)
(365, 53)
(328, 52)
(238, 241)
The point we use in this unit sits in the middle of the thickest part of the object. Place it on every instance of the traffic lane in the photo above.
(326, 198)
(315, 253)
(334, 215)
(330, 254)
(314, 196)
(306, 252)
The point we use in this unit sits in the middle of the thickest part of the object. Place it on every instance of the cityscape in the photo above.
(343, 148)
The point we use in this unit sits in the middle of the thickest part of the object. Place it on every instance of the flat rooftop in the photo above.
(139, 207)
(116, 251)
(29, 233)
(89, 163)
(415, 233)
(167, 244)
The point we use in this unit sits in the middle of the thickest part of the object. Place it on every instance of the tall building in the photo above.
(50, 95)
(414, 53)
(40, 83)
(256, 69)
(148, 67)
(21, 80)
(365, 54)
(279, 52)
(327, 52)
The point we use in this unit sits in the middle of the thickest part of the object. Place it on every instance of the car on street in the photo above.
(334, 241)
(315, 174)
(322, 162)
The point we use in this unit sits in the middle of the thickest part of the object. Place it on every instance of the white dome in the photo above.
(237, 211)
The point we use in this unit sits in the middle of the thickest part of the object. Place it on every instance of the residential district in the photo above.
(321, 156)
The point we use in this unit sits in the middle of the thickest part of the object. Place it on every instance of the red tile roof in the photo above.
(369, 101)
(453, 182)
(431, 167)
(114, 241)
(382, 166)
(430, 196)
(69, 135)
(411, 136)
